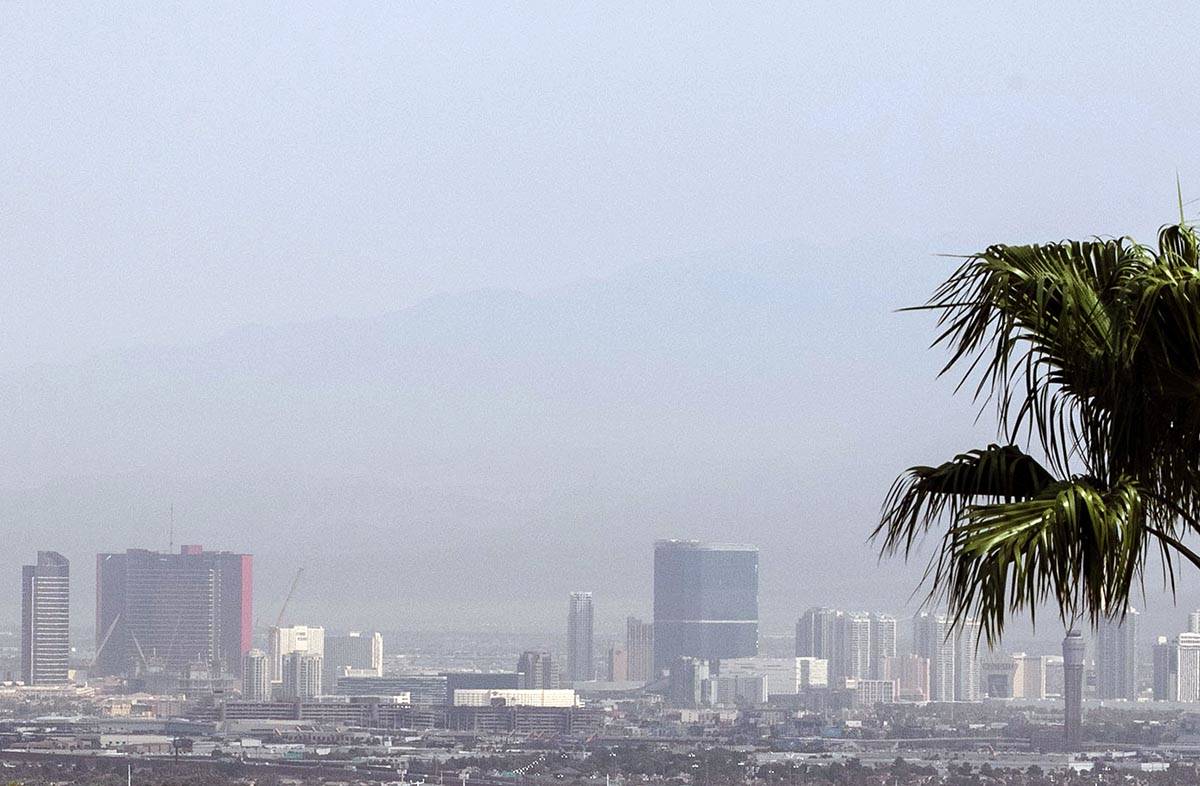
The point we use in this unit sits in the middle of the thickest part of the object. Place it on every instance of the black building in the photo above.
(705, 601)
(159, 612)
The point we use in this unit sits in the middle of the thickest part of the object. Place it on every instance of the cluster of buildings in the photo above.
(302, 662)
(181, 623)
(1176, 664)
(705, 606)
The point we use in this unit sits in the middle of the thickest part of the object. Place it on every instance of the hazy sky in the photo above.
(171, 173)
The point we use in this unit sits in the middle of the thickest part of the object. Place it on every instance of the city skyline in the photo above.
(576, 394)
(860, 648)
(615, 618)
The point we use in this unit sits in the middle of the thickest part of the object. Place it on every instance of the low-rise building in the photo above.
(520, 697)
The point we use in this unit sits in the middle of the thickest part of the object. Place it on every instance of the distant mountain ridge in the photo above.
(482, 453)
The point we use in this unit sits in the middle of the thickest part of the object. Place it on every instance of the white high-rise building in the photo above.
(1194, 622)
(1186, 671)
(256, 676)
(283, 641)
(856, 646)
(45, 620)
(1029, 676)
(933, 640)
(1116, 658)
(639, 649)
(301, 676)
(883, 643)
(580, 653)
(967, 682)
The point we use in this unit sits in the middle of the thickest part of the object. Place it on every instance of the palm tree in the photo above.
(1090, 352)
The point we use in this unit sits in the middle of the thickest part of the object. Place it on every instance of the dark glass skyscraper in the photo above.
(156, 610)
(45, 619)
(705, 601)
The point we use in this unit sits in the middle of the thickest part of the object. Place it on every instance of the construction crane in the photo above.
(288, 599)
(141, 653)
(103, 642)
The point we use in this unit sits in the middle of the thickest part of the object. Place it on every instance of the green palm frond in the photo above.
(1041, 327)
(1078, 545)
(924, 495)
(1090, 350)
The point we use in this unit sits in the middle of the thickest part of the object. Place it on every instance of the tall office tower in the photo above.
(817, 635)
(283, 641)
(933, 639)
(1185, 668)
(537, 671)
(45, 619)
(1029, 676)
(256, 678)
(639, 649)
(172, 610)
(687, 682)
(1053, 667)
(911, 675)
(821, 633)
(580, 653)
(1163, 654)
(856, 646)
(1116, 658)
(1194, 622)
(966, 664)
(617, 664)
(883, 643)
(705, 601)
(301, 675)
(358, 654)
(1073, 651)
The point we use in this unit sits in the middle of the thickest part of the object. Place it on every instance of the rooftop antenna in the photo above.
(171, 535)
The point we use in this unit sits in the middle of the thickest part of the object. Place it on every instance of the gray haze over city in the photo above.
(461, 308)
